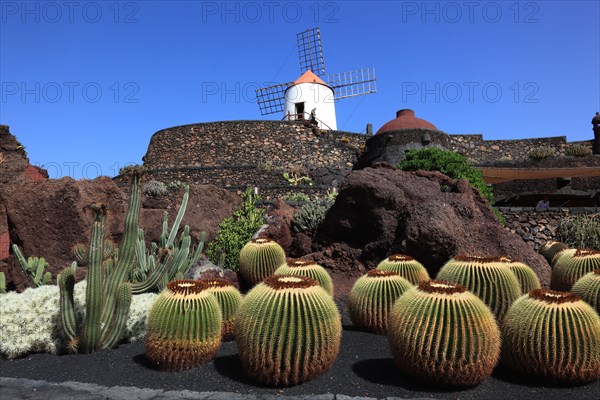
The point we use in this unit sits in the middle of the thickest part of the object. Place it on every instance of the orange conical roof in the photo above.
(309, 77)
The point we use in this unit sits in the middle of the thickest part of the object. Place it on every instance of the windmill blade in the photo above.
(353, 83)
(310, 51)
(271, 99)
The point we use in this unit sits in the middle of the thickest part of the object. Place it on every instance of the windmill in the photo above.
(297, 99)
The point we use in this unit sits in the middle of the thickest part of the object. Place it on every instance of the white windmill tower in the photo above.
(297, 99)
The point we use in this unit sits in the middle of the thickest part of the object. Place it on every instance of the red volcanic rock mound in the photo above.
(380, 211)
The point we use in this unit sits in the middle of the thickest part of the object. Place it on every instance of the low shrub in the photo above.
(155, 188)
(541, 152)
(310, 216)
(578, 150)
(580, 231)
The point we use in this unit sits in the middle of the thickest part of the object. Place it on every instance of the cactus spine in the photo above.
(260, 258)
(571, 265)
(406, 266)
(489, 279)
(528, 280)
(553, 335)
(288, 330)
(296, 266)
(372, 297)
(588, 288)
(229, 299)
(442, 333)
(184, 326)
(550, 249)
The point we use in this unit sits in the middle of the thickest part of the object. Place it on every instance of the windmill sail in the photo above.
(353, 83)
(310, 51)
(271, 99)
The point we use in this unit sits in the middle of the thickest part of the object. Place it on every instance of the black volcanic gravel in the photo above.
(363, 368)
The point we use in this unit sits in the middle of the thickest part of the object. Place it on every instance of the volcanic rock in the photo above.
(380, 211)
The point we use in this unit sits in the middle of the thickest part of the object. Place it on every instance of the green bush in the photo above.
(578, 150)
(310, 216)
(580, 231)
(236, 231)
(448, 163)
(299, 196)
(541, 152)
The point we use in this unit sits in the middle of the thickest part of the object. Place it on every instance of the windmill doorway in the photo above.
(299, 110)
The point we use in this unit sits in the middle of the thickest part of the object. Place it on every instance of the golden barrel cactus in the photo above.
(440, 332)
(550, 249)
(229, 299)
(372, 297)
(554, 336)
(528, 279)
(260, 258)
(487, 277)
(406, 266)
(288, 330)
(571, 265)
(588, 288)
(184, 326)
(297, 266)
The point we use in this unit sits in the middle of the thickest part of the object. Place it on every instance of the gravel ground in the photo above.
(364, 368)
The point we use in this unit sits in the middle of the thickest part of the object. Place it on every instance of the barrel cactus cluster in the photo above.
(406, 266)
(288, 330)
(440, 332)
(372, 297)
(297, 266)
(229, 299)
(184, 326)
(487, 277)
(571, 265)
(552, 335)
(260, 258)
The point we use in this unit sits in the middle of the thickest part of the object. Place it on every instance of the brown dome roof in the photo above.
(405, 119)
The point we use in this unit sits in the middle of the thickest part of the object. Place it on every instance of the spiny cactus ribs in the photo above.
(184, 326)
(229, 299)
(406, 266)
(440, 332)
(550, 249)
(528, 280)
(288, 330)
(487, 277)
(588, 288)
(297, 266)
(552, 335)
(372, 296)
(571, 265)
(260, 258)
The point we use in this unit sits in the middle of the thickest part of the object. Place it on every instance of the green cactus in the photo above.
(260, 258)
(528, 279)
(288, 330)
(550, 249)
(100, 329)
(588, 288)
(489, 279)
(2, 283)
(229, 299)
(372, 297)
(296, 266)
(571, 265)
(80, 252)
(33, 267)
(406, 266)
(578, 150)
(552, 335)
(440, 332)
(184, 326)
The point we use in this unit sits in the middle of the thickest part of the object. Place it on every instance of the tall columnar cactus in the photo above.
(550, 249)
(487, 277)
(229, 299)
(406, 266)
(553, 335)
(588, 288)
(81, 252)
(288, 330)
(442, 333)
(296, 266)
(528, 279)
(33, 267)
(372, 297)
(106, 311)
(2, 283)
(260, 258)
(571, 265)
(184, 326)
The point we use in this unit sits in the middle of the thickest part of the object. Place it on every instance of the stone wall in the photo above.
(537, 227)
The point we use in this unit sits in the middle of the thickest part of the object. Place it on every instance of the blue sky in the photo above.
(84, 84)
